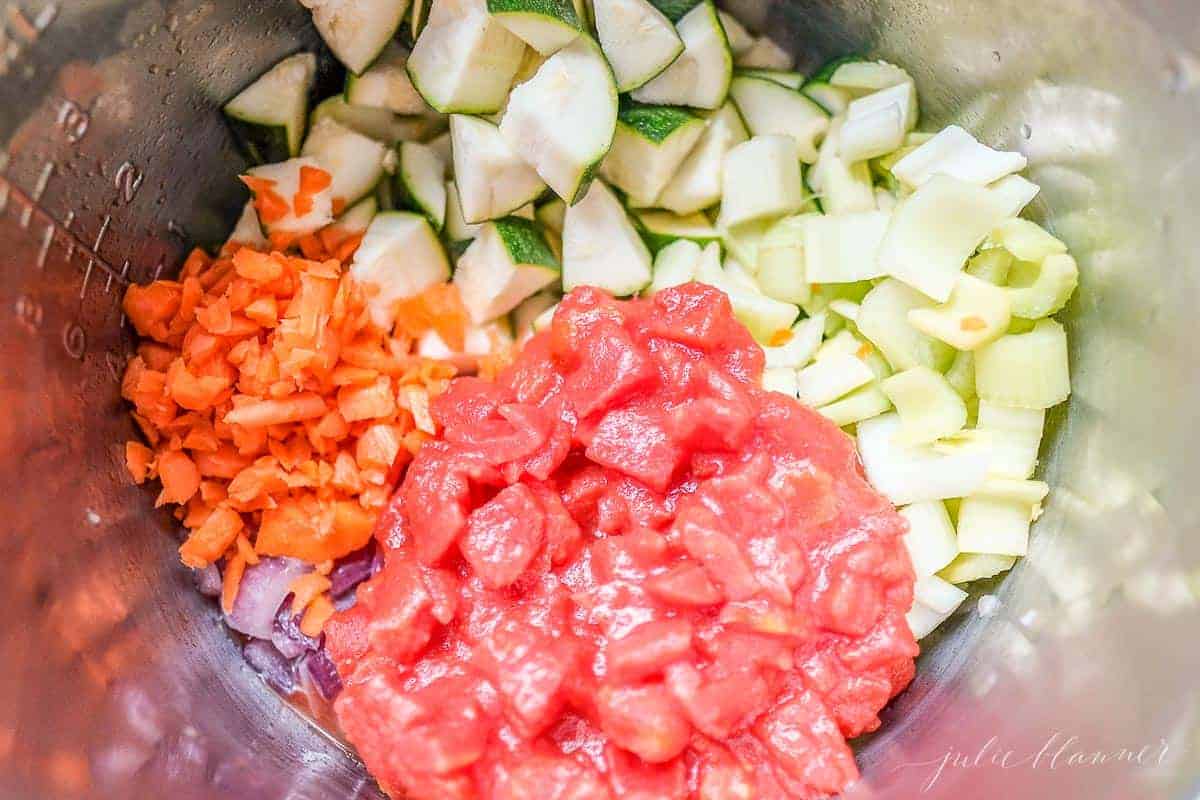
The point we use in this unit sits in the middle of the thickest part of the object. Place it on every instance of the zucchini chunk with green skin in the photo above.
(269, 116)
(639, 41)
(418, 15)
(359, 30)
(740, 39)
(457, 228)
(493, 181)
(562, 120)
(876, 124)
(355, 161)
(696, 185)
(386, 85)
(400, 257)
(509, 261)
(551, 214)
(420, 181)
(1027, 370)
(545, 25)
(770, 108)
(833, 99)
(700, 76)
(860, 76)
(464, 60)
(601, 246)
(761, 179)
(792, 80)
(650, 144)
(285, 183)
(356, 219)
(661, 228)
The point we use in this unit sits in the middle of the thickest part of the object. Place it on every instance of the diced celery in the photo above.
(996, 526)
(674, 265)
(1017, 490)
(780, 379)
(1014, 193)
(955, 152)
(844, 343)
(831, 377)
(799, 350)
(780, 261)
(875, 124)
(868, 76)
(931, 540)
(935, 230)
(938, 594)
(912, 473)
(743, 241)
(976, 313)
(1015, 434)
(761, 179)
(1019, 325)
(961, 375)
(883, 320)
(843, 187)
(1026, 240)
(863, 403)
(738, 277)
(976, 566)
(991, 265)
(846, 309)
(1051, 289)
(1027, 370)
(929, 407)
(844, 248)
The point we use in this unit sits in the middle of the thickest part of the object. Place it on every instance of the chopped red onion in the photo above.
(271, 664)
(263, 588)
(323, 673)
(352, 570)
(287, 636)
(208, 581)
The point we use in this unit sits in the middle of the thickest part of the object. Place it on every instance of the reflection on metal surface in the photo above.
(1072, 678)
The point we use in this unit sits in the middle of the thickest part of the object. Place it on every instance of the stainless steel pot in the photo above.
(1075, 677)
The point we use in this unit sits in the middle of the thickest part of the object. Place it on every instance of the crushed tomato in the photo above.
(623, 570)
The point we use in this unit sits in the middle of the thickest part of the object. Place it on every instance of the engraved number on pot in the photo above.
(73, 120)
(74, 340)
(129, 180)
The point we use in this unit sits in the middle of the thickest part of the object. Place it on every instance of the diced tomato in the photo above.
(645, 720)
(504, 536)
(807, 745)
(648, 649)
(684, 585)
(634, 779)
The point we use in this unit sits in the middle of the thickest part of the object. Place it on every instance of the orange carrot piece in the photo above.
(180, 478)
(193, 392)
(246, 550)
(373, 401)
(264, 311)
(318, 613)
(256, 266)
(307, 588)
(139, 460)
(234, 569)
(260, 413)
(209, 541)
(151, 308)
(225, 462)
(314, 180)
(339, 205)
(378, 447)
(197, 262)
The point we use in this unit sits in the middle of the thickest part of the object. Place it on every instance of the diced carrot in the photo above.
(157, 356)
(138, 460)
(225, 462)
(339, 205)
(311, 246)
(306, 588)
(264, 311)
(378, 446)
(345, 474)
(201, 438)
(209, 542)
(281, 240)
(439, 308)
(374, 401)
(234, 569)
(257, 184)
(193, 392)
(151, 308)
(212, 492)
(314, 180)
(253, 485)
(180, 477)
(780, 338)
(256, 266)
(348, 375)
(259, 413)
(246, 550)
(190, 296)
(346, 250)
(332, 426)
(197, 262)
(318, 613)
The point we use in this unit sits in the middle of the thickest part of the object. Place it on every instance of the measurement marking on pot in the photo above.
(124, 275)
(39, 189)
(74, 340)
(44, 250)
(87, 274)
(129, 181)
(73, 120)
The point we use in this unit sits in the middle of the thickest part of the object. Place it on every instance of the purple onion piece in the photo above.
(208, 581)
(287, 636)
(347, 600)
(263, 588)
(352, 570)
(323, 674)
(271, 664)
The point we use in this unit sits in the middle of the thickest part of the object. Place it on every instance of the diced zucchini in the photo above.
(911, 474)
(700, 76)
(1027, 370)
(844, 248)
(421, 182)
(991, 265)
(601, 246)
(661, 228)
(675, 265)
(696, 185)
(765, 54)
(901, 99)
(492, 180)
(418, 15)
(863, 403)
(269, 116)
(563, 119)
(956, 153)
(760, 180)
(508, 261)
(931, 541)
(399, 257)
(928, 406)
(675, 10)
(551, 214)
(386, 85)
(844, 187)
(935, 230)
(355, 161)
(742, 241)
(994, 526)
(355, 220)
(831, 377)
(285, 184)
(863, 77)
(781, 269)
(637, 39)
(464, 60)
(976, 313)
(526, 314)
(801, 347)
(976, 566)
(1056, 280)
(650, 144)
(545, 25)
(248, 231)
(883, 319)
(740, 39)
(833, 99)
(788, 78)
(377, 123)
(357, 31)
(1014, 193)
(769, 108)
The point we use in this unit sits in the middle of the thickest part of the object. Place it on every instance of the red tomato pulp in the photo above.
(625, 571)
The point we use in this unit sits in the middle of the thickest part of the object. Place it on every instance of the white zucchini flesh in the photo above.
(842, 187)
(760, 178)
(769, 108)
(386, 85)
(248, 231)
(675, 265)
(799, 350)
(781, 267)
(637, 39)
(844, 248)
(764, 53)
(464, 61)
(545, 25)
(400, 257)
(377, 123)
(650, 144)
(935, 230)
(493, 181)
(740, 39)
(696, 185)
(976, 313)
(508, 262)
(563, 119)
(422, 176)
(831, 377)
(883, 320)
(969, 567)
(700, 76)
(931, 540)
(270, 115)
(911, 474)
(357, 32)
(354, 160)
(742, 242)
(357, 219)
(526, 314)
(864, 77)
(871, 135)
(955, 152)
(928, 406)
(457, 228)
(661, 228)
(285, 178)
(601, 246)
(1026, 370)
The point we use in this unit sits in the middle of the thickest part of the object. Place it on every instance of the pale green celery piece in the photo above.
(991, 265)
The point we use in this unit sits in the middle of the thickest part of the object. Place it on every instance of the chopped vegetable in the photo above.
(975, 313)
(270, 115)
(929, 407)
(1027, 370)
(699, 77)
(761, 179)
